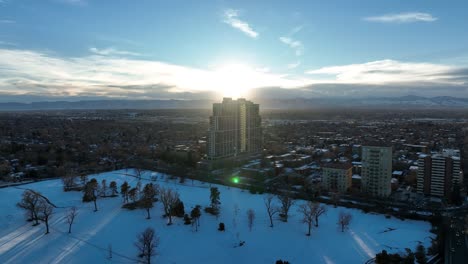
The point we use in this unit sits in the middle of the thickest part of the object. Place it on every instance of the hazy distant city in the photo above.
(233, 132)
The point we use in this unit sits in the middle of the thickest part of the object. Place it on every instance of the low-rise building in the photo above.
(337, 176)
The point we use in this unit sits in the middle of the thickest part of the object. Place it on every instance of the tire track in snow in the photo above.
(369, 252)
(20, 243)
(73, 246)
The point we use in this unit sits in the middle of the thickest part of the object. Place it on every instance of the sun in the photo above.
(235, 79)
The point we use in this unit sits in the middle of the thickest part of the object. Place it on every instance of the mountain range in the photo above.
(409, 101)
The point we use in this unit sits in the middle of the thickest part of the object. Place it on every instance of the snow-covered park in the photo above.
(116, 228)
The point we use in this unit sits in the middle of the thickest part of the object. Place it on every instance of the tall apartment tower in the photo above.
(235, 129)
(439, 173)
(376, 170)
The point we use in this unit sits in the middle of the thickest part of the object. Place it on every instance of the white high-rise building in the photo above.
(376, 170)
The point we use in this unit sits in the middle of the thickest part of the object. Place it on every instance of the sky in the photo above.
(148, 49)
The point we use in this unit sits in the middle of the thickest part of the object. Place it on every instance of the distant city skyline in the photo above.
(85, 49)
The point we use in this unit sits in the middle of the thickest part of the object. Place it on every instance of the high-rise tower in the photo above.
(235, 129)
(376, 170)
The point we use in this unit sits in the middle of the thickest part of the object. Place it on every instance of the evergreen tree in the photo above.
(89, 192)
(195, 215)
(420, 254)
(124, 188)
(187, 220)
(133, 193)
(148, 198)
(178, 210)
(215, 199)
(113, 188)
(221, 227)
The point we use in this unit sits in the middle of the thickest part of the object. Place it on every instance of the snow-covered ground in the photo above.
(93, 232)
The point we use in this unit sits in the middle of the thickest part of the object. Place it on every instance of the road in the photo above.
(456, 248)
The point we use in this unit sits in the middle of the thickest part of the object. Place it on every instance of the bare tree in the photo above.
(138, 173)
(271, 208)
(146, 244)
(71, 214)
(69, 180)
(45, 212)
(30, 203)
(138, 190)
(83, 180)
(286, 203)
(251, 218)
(308, 211)
(103, 188)
(344, 219)
(335, 198)
(169, 198)
(318, 211)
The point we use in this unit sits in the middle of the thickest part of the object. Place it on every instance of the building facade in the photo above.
(376, 170)
(337, 176)
(439, 173)
(235, 129)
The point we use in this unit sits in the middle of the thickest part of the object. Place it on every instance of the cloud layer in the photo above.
(231, 17)
(32, 73)
(409, 17)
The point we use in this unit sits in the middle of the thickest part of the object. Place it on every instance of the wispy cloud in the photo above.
(409, 17)
(74, 2)
(296, 30)
(112, 52)
(293, 65)
(7, 21)
(293, 44)
(391, 71)
(6, 43)
(231, 17)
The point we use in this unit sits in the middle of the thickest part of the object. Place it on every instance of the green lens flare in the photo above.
(235, 180)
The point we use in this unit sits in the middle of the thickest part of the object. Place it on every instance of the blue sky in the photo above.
(194, 49)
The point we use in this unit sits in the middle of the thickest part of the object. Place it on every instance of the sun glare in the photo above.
(236, 79)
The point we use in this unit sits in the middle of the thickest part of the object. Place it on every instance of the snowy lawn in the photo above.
(94, 232)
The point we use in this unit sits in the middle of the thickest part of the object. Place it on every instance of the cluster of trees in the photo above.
(311, 211)
(140, 197)
(420, 256)
(55, 145)
(37, 208)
